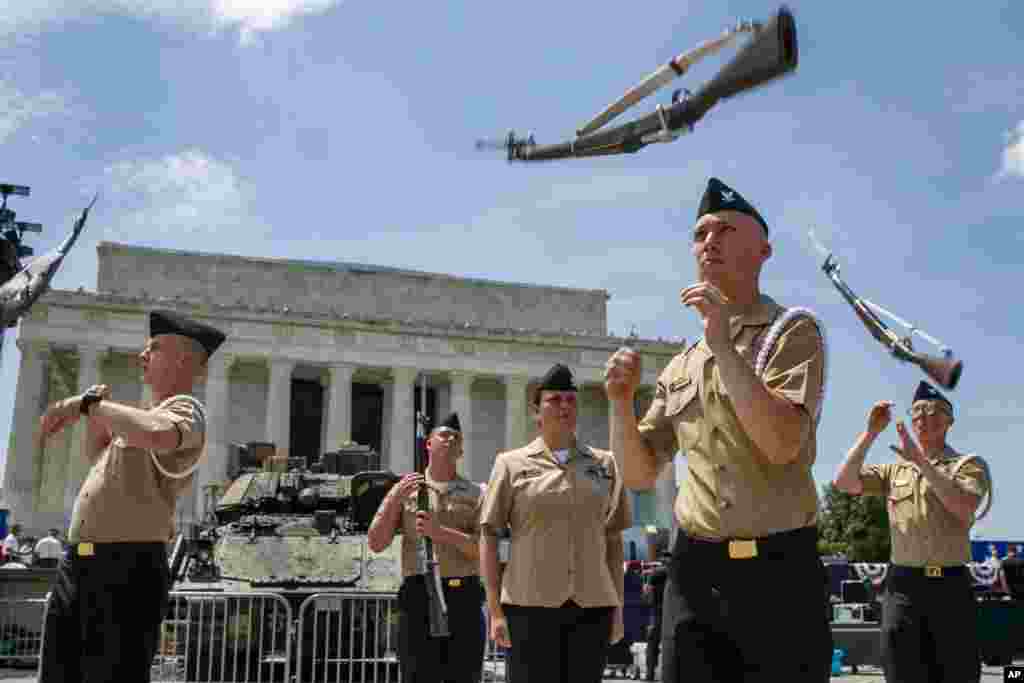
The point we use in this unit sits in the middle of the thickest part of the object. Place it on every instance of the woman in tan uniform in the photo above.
(559, 603)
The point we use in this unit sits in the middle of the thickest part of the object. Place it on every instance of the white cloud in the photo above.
(1013, 154)
(175, 196)
(18, 110)
(249, 17)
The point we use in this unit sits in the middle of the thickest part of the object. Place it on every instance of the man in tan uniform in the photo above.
(453, 526)
(558, 603)
(112, 589)
(929, 613)
(743, 600)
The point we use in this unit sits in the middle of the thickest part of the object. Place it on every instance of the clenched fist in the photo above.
(622, 374)
(66, 412)
(879, 417)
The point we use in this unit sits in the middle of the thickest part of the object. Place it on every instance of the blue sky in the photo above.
(320, 129)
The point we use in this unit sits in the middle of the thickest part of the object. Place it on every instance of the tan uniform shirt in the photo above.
(731, 492)
(125, 498)
(923, 531)
(455, 504)
(556, 514)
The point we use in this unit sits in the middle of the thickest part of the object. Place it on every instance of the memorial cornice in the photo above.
(113, 302)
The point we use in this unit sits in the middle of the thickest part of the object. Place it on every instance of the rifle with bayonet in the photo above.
(770, 54)
(427, 563)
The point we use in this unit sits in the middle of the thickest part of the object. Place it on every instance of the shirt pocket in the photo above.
(683, 408)
(680, 394)
(901, 495)
(462, 511)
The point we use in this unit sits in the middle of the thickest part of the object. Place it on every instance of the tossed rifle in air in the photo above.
(771, 53)
(944, 370)
(19, 293)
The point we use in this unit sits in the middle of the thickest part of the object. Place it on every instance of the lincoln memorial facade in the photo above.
(318, 355)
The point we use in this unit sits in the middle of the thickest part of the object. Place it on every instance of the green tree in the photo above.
(857, 526)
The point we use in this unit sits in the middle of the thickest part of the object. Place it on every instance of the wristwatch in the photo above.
(89, 398)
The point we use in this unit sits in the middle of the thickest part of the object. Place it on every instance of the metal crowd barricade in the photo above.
(353, 638)
(21, 630)
(217, 637)
(252, 637)
(495, 659)
(348, 638)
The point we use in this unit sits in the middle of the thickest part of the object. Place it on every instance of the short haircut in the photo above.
(193, 348)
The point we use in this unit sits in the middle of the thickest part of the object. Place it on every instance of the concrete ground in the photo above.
(989, 674)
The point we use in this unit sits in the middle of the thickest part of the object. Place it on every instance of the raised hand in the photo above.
(712, 305)
(622, 374)
(879, 417)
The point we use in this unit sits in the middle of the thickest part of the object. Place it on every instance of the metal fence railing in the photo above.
(21, 630)
(219, 637)
(348, 638)
(256, 637)
(495, 659)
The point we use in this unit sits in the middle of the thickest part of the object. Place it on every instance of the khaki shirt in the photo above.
(125, 498)
(731, 492)
(923, 531)
(454, 504)
(556, 514)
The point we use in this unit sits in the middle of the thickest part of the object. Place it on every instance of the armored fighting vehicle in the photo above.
(298, 534)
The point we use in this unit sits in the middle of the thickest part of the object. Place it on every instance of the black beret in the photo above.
(926, 392)
(451, 422)
(558, 378)
(169, 322)
(720, 197)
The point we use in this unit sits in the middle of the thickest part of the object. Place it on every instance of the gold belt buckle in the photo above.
(454, 583)
(933, 572)
(742, 550)
(86, 550)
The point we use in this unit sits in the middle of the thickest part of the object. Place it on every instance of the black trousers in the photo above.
(456, 659)
(929, 628)
(566, 644)
(103, 618)
(746, 620)
(653, 641)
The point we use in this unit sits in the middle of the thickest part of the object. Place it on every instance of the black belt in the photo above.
(88, 550)
(930, 572)
(778, 544)
(449, 581)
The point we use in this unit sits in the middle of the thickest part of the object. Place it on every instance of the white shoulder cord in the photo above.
(775, 331)
(988, 477)
(156, 462)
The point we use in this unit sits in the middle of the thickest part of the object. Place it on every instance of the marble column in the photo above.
(339, 406)
(279, 404)
(461, 392)
(21, 475)
(400, 455)
(90, 360)
(213, 467)
(515, 411)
